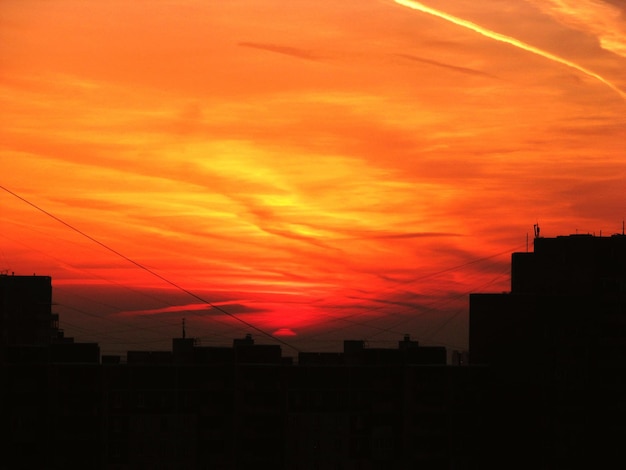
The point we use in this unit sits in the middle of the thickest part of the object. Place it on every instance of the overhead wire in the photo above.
(90, 299)
(148, 270)
(434, 331)
(347, 318)
(424, 309)
(115, 308)
(437, 304)
(434, 306)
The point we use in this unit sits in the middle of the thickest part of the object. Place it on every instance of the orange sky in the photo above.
(323, 170)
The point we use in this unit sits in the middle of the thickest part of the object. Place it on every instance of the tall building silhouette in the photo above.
(556, 348)
(29, 330)
(26, 310)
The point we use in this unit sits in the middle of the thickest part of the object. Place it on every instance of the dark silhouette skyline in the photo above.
(311, 173)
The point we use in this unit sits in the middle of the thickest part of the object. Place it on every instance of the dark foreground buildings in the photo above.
(545, 387)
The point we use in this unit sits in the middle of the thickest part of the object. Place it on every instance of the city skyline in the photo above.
(320, 171)
(545, 368)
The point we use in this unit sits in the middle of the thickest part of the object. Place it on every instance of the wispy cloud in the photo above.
(257, 175)
(166, 310)
(509, 40)
(280, 49)
(382, 235)
(605, 21)
(233, 307)
(455, 68)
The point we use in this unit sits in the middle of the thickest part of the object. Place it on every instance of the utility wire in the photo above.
(148, 270)
(425, 308)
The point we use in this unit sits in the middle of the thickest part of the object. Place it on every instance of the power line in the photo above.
(432, 306)
(148, 270)
(108, 305)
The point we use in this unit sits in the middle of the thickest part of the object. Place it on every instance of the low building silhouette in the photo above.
(382, 408)
(243, 406)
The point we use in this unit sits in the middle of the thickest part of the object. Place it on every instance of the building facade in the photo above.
(556, 348)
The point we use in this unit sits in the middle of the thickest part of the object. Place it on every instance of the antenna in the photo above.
(184, 328)
(537, 230)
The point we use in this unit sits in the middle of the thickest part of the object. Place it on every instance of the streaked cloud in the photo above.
(172, 309)
(350, 169)
(509, 40)
(280, 49)
(601, 19)
(455, 68)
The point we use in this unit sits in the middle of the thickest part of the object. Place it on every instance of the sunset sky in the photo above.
(319, 170)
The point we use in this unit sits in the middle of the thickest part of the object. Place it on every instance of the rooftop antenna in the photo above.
(622, 226)
(184, 328)
(537, 230)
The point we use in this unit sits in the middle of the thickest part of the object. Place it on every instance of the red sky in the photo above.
(322, 170)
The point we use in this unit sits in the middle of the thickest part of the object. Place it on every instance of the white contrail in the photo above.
(507, 39)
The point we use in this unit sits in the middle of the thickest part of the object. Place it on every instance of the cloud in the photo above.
(233, 308)
(508, 40)
(446, 66)
(279, 49)
(389, 235)
(92, 203)
(290, 193)
(403, 303)
(594, 17)
(171, 309)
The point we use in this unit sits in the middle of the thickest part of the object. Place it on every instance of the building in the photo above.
(26, 316)
(556, 348)
(29, 331)
(383, 408)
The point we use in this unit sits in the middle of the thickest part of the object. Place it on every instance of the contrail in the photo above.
(509, 40)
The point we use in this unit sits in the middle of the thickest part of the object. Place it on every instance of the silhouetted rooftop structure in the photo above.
(568, 295)
(356, 352)
(26, 310)
(573, 264)
(556, 348)
(29, 331)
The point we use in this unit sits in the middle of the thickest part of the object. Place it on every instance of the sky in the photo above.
(305, 172)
